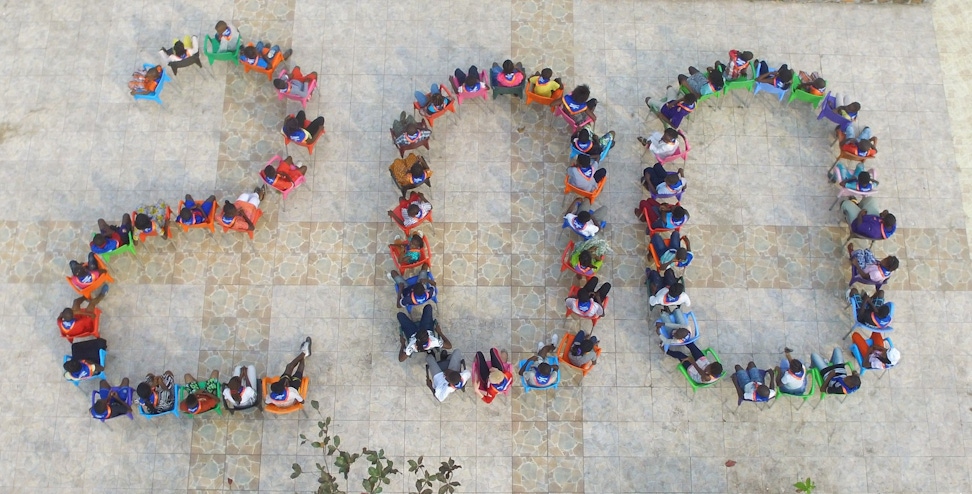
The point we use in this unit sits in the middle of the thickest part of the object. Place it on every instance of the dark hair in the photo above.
(250, 51)
(413, 210)
(191, 401)
(291, 125)
(142, 221)
(819, 83)
(681, 253)
(676, 290)
(853, 381)
(185, 214)
(179, 48)
(583, 296)
(796, 366)
(277, 387)
(584, 135)
(229, 209)
(100, 407)
(864, 145)
(892, 263)
(234, 383)
(689, 99)
(583, 160)
(269, 172)
(715, 78)
(678, 212)
(746, 55)
(785, 73)
(681, 333)
(546, 73)
(219, 28)
(584, 259)
(99, 240)
(416, 238)
(671, 179)
(416, 170)
(453, 377)
(411, 128)
(853, 107)
(543, 369)
(762, 391)
(584, 216)
(509, 67)
(422, 338)
(715, 369)
(581, 93)
(419, 289)
(71, 365)
(671, 133)
(586, 346)
(471, 79)
(437, 99)
(864, 178)
(882, 311)
(67, 314)
(889, 220)
(280, 84)
(144, 391)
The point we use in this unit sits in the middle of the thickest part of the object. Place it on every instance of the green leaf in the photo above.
(315, 404)
(443, 489)
(330, 450)
(377, 489)
(427, 491)
(337, 441)
(373, 472)
(316, 444)
(440, 477)
(412, 466)
(385, 480)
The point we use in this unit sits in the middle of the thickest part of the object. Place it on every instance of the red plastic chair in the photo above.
(155, 227)
(650, 218)
(209, 224)
(464, 95)
(256, 68)
(305, 99)
(397, 214)
(296, 179)
(590, 196)
(95, 329)
(564, 349)
(565, 262)
(430, 118)
(507, 368)
(304, 144)
(85, 290)
(573, 293)
(415, 145)
(559, 110)
(425, 257)
(252, 212)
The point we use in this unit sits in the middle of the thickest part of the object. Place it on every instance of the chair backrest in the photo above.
(590, 196)
(563, 353)
(425, 257)
(173, 411)
(552, 360)
(682, 152)
(690, 321)
(274, 409)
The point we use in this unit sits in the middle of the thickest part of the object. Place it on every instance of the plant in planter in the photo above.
(380, 472)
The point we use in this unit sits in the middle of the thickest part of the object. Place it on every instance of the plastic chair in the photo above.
(827, 110)
(689, 318)
(85, 290)
(431, 117)
(415, 145)
(818, 379)
(566, 225)
(565, 262)
(807, 392)
(125, 393)
(154, 95)
(514, 90)
(573, 293)
(175, 406)
(304, 144)
(397, 213)
(424, 258)
(211, 49)
(411, 281)
(563, 350)
(559, 110)
(209, 224)
(739, 390)
(867, 328)
(256, 68)
(303, 100)
(856, 277)
(711, 356)
(552, 360)
(845, 192)
(298, 405)
(532, 97)
(464, 95)
(242, 226)
(574, 152)
(507, 368)
(94, 333)
(801, 95)
(767, 88)
(590, 196)
(155, 227)
(746, 82)
(650, 218)
(860, 358)
(184, 392)
(294, 182)
(129, 247)
(102, 354)
(682, 152)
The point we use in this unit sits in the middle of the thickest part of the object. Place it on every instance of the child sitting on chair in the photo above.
(863, 145)
(542, 375)
(870, 267)
(661, 144)
(738, 63)
(418, 293)
(414, 212)
(286, 174)
(179, 51)
(263, 55)
(410, 172)
(509, 75)
(243, 210)
(152, 216)
(75, 320)
(585, 173)
(295, 83)
(144, 81)
(468, 82)
(543, 83)
(411, 249)
(194, 213)
(780, 78)
(412, 135)
(293, 128)
(812, 83)
(434, 101)
(581, 220)
(111, 237)
(86, 274)
(871, 310)
(585, 141)
(671, 111)
(588, 256)
(493, 377)
(226, 35)
(85, 360)
(701, 84)
(579, 105)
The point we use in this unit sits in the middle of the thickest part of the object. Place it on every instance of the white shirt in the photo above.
(588, 229)
(662, 149)
(701, 362)
(412, 345)
(789, 381)
(749, 392)
(662, 298)
(442, 387)
(664, 189)
(247, 398)
(424, 208)
(595, 308)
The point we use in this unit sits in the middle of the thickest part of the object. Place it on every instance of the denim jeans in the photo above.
(746, 376)
(836, 358)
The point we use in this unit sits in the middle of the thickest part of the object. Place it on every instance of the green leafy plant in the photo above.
(806, 486)
(380, 471)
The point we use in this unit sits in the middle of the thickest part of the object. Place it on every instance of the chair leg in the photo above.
(831, 208)
(849, 332)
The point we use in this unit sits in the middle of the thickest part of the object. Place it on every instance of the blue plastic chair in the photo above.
(101, 375)
(155, 95)
(666, 334)
(552, 360)
(413, 280)
(574, 152)
(827, 108)
(768, 88)
(566, 224)
(125, 394)
(867, 328)
(175, 405)
(860, 358)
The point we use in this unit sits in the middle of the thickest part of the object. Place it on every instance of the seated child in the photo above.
(582, 350)
(411, 249)
(434, 101)
(663, 182)
(202, 395)
(542, 83)
(493, 376)
(417, 209)
(870, 310)
(588, 256)
(109, 405)
(240, 392)
(425, 336)
(298, 130)
(848, 110)
(870, 267)
(536, 371)
(878, 355)
(410, 172)
(697, 365)
(752, 386)
(585, 173)
(863, 145)
(679, 329)
(144, 81)
(812, 83)
(111, 237)
(781, 78)
(468, 82)
(226, 36)
(661, 215)
(579, 105)
(150, 217)
(661, 144)
(581, 220)
(701, 84)
(412, 134)
(669, 298)
(586, 142)
(286, 174)
(671, 111)
(87, 273)
(671, 255)
(263, 55)
(179, 50)
(76, 320)
(156, 394)
(241, 214)
(509, 75)
(588, 302)
(418, 293)
(867, 220)
(194, 213)
(295, 83)
(738, 63)
(859, 180)
(85, 360)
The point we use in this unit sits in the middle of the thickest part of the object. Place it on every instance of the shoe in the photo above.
(647, 99)
(553, 340)
(288, 53)
(539, 347)
(305, 347)
(643, 141)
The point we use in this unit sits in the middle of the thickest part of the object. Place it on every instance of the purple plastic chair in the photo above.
(827, 111)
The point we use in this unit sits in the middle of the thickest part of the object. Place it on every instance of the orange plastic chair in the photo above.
(252, 212)
(565, 262)
(650, 218)
(85, 290)
(532, 97)
(274, 409)
(268, 71)
(95, 330)
(590, 196)
(309, 147)
(155, 227)
(397, 214)
(564, 349)
(573, 292)
(840, 136)
(430, 118)
(425, 257)
(415, 145)
(209, 224)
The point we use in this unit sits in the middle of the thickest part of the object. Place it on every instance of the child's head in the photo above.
(714, 369)
(411, 128)
(546, 74)
(291, 125)
(681, 334)
(586, 346)
(179, 49)
(676, 290)
(417, 171)
(221, 27)
(250, 51)
(508, 67)
(543, 369)
(154, 73)
(762, 391)
(864, 179)
(819, 83)
(583, 217)
(192, 402)
(890, 263)
(671, 180)
(280, 84)
(72, 366)
(853, 107)
(882, 311)
(689, 99)
(785, 73)
(415, 241)
(889, 220)
(142, 221)
(864, 145)
(269, 172)
(678, 213)
(581, 94)
(796, 366)
(422, 339)
(229, 209)
(437, 99)
(670, 135)
(681, 254)
(746, 55)
(66, 315)
(414, 210)
(583, 160)
(99, 240)
(185, 214)
(419, 290)
(584, 259)
(584, 136)
(715, 80)
(471, 80)
(853, 381)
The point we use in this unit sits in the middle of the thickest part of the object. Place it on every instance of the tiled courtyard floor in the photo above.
(768, 271)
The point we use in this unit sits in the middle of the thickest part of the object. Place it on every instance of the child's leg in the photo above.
(421, 99)
(460, 77)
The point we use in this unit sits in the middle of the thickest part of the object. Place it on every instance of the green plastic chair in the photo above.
(211, 49)
(716, 94)
(801, 95)
(747, 82)
(184, 392)
(711, 355)
(129, 247)
(818, 379)
(807, 393)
